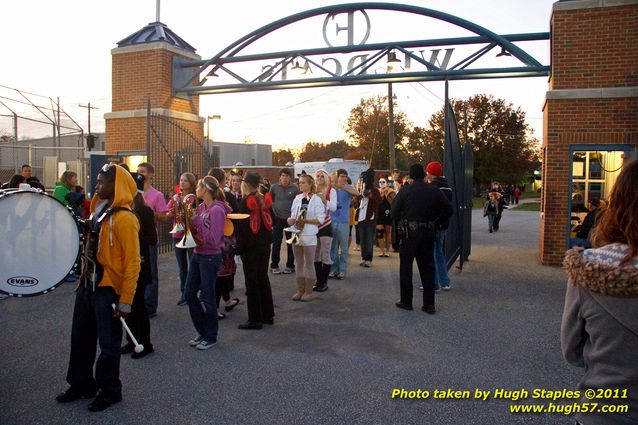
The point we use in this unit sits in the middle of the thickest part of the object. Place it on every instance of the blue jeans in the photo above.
(340, 233)
(151, 290)
(183, 256)
(367, 233)
(441, 277)
(93, 323)
(490, 220)
(202, 275)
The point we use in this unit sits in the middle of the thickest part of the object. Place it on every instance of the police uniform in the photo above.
(417, 207)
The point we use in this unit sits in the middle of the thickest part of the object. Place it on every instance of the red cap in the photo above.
(434, 168)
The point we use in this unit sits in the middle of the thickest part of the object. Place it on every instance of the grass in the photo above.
(531, 206)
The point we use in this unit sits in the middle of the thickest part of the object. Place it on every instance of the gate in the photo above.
(174, 150)
(459, 170)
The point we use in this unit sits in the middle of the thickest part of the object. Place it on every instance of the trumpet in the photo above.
(297, 228)
(188, 241)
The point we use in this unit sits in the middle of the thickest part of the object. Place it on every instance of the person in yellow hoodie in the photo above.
(114, 247)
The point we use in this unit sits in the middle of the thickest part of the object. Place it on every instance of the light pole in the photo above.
(208, 119)
(393, 161)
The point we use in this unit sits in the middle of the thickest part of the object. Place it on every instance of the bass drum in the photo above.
(40, 243)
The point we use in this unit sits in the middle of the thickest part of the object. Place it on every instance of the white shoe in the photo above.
(276, 270)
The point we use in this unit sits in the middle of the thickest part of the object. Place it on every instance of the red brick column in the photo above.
(593, 99)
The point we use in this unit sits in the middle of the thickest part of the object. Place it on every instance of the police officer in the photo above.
(418, 207)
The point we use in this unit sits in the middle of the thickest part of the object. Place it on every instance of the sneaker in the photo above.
(205, 344)
(447, 288)
(195, 341)
(341, 275)
(276, 270)
(103, 401)
(421, 287)
(289, 270)
(367, 264)
(332, 275)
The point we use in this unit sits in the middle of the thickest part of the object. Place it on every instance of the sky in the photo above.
(62, 50)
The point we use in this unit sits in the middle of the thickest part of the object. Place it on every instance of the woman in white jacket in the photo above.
(304, 250)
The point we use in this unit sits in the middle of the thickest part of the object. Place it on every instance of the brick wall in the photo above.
(592, 48)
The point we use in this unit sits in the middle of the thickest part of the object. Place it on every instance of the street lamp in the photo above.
(208, 119)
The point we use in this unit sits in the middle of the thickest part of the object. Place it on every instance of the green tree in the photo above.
(316, 151)
(503, 147)
(282, 156)
(367, 127)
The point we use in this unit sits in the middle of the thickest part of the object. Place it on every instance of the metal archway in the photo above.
(190, 77)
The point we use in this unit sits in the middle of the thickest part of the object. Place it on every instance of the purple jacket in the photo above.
(209, 223)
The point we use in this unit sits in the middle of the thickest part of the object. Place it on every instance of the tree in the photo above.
(501, 139)
(423, 145)
(316, 151)
(282, 156)
(367, 127)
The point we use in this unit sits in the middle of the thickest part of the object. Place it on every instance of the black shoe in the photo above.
(127, 348)
(430, 309)
(103, 401)
(152, 314)
(399, 304)
(250, 325)
(268, 321)
(320, 288)
(235, 303)
(145, 352)
(72, 394)
(182, 301)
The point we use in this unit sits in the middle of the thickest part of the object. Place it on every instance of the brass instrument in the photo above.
(297, 228)
(187, 241)
(179, 208)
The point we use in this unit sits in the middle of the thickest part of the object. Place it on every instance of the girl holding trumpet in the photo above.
(306, 214)
(207, 227)
(175, 205)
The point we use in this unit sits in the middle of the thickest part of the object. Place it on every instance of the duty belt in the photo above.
(414, 225)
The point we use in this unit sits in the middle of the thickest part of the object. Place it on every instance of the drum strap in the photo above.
(97, 272)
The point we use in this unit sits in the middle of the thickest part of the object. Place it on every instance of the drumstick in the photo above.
(138, 347)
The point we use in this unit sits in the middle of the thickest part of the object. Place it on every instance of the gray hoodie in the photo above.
(600, 328)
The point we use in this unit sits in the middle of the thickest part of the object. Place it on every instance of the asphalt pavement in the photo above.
(335, 360)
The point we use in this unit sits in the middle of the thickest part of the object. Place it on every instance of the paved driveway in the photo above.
(335, 360)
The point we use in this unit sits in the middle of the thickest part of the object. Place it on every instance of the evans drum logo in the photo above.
(22, 281)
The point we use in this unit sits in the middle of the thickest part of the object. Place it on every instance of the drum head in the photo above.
(40, 243)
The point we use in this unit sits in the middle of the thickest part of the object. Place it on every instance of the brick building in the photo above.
(590, 112)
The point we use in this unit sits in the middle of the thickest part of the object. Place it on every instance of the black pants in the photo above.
(138, 320)
(278, 226)
(418, 245)
(497, 219)
(223, 287)
(258, 292)
(93, 323)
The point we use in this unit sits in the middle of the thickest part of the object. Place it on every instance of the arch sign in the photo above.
(343, 50)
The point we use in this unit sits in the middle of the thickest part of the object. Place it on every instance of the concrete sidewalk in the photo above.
(335, 360)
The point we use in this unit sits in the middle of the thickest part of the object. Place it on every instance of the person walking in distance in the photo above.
(154, 199)
(282, 193)
(434, 176)
(418, 207)
(109, 279)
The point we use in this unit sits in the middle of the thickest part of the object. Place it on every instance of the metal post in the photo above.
(148, 130)
(391, 128)
(15, 142)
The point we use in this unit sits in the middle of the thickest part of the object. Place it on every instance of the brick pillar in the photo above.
(592, 99)
(141, 72)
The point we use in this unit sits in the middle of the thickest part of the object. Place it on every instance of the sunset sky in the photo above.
(63, 49)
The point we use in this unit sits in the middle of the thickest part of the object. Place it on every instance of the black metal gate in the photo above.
(459, 170)
(174, 150)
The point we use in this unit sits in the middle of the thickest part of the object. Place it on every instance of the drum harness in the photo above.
(91, 270)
